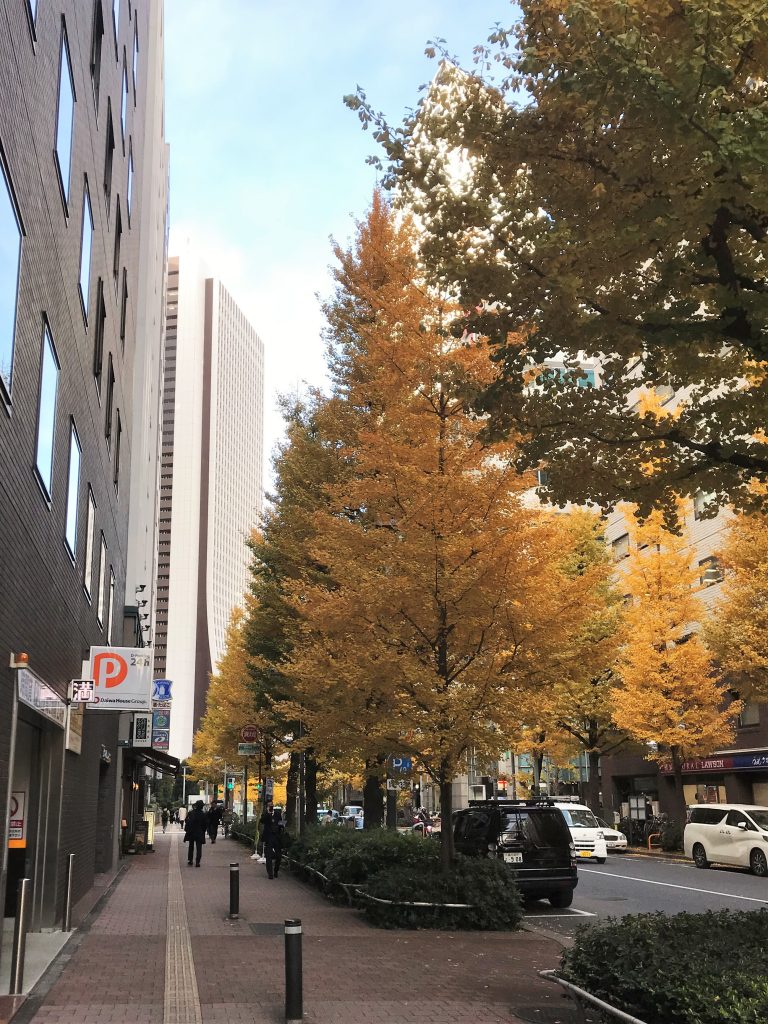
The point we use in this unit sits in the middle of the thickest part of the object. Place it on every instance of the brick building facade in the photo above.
(76, 175)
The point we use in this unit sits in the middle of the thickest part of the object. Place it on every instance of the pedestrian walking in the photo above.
(182, 816)
(195, 827)
(164, 819)
(271, 823)
(215, 813)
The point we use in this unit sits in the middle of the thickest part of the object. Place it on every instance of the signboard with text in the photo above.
(122, 677)
(17, 834)
(142, 729)
(248, 749)
(724, 763)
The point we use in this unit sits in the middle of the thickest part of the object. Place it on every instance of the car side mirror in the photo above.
(742, 825)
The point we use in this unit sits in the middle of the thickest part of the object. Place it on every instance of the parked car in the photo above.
(351, 811)
(530, 835)
(615, 841)
(728, 834)
(587, 835)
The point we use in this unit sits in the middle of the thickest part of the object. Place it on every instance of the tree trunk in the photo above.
(446, 825)
(292, 790)
(373, 796)
(593, 781)
(677, 770)
(310, 788)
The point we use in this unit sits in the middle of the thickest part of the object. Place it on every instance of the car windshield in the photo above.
(540, 827)
(580, 817)
(760, 818)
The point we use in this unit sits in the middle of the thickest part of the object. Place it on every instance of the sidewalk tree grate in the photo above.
(266, 929)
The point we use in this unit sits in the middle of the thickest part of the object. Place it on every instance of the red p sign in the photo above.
(109, 669)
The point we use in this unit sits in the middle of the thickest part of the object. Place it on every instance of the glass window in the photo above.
(750, 715)
(135, 58)
(90, 525)
(620, 547)
(707, 815)
(109, 155)
(579, 817)
(760, 818)
(710, 572)
(86, 243)
(65, 116)
(124, 100)
(118, 240)
(97, 34)
(98, 334)
(116, 18)
(704, 504)
(10, 255)
(129, 194)
(73, 489)
(118, 438)
(110, 400)
(124, 305)
(46, 412)
(102, 579)
(110, 605)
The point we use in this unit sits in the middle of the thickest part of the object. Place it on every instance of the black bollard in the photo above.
(294, 1000)
(234, 891)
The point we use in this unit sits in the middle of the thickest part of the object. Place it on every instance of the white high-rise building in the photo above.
(211, 482)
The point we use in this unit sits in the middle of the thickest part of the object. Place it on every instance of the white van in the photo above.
(588, 837)
(728, 834)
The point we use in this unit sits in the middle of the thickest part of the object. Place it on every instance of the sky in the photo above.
(267, 164)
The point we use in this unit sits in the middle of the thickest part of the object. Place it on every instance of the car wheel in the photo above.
(758, 864)
(561, 900)
(700, 856)
(600, 860)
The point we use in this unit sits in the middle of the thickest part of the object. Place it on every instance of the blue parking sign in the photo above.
(401, 764)
(161, 689)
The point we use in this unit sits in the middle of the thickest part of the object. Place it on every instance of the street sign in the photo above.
(142, 729)
(249, 733)
(161, 689)
(248, 749)
(123, 677)
(82, 691)
(398, 784)
(401, 764)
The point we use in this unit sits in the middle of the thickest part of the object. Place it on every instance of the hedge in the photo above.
(405, 869)
(707, 968)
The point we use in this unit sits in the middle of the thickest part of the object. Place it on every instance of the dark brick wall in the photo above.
(43, 607)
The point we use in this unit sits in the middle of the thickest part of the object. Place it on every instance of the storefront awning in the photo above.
(157, 759)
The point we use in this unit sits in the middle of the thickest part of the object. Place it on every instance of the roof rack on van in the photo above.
(503, 801)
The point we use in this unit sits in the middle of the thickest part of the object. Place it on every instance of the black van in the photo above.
(531, 835)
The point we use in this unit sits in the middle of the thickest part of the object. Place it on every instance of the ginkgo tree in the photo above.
(671, 698)
(447, 586)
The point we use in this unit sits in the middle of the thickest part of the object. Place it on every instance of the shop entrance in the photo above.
(24, 812)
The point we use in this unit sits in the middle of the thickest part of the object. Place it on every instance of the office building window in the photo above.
(46, 412)
(65, 116)
(110, 400)
(123, 305)
(98, 334)
(10, 257)
(109, 156)
(32, 14)
(118, 240)
(73, 490)
(620, 547)
(86, 243)
(135, 65)
(97, 35)
(110, 605)
(116, 19)
(129, 191)
(118, 438)
(703, 503)
(102, 580)
(710, 572)
(124, 100)
(90, 526)
(750, 715)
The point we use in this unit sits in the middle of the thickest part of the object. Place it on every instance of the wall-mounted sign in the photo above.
(123, 678)
(161, 739)
(17, 834)
(142, 729)
(82, 691)
(37, 695)
(75, 716)
(161, 690)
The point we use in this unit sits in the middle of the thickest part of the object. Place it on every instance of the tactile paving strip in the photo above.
(182, 1002)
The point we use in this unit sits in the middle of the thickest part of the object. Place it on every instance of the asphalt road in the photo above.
(641, 885)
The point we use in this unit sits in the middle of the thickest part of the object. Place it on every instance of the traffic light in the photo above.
(259, 787)
(230, 782)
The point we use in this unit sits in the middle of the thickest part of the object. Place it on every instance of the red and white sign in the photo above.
(249, 733)
(123, 678)
(17, 835)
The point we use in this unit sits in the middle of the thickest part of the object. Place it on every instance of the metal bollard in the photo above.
(294, 1000)
(68, 894)
(234, 891)
(20, 937)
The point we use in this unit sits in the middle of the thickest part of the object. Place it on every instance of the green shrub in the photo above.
(488, 886)
(707, 968)
(672, 837)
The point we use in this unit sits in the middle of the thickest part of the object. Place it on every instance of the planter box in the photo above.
(585, 999)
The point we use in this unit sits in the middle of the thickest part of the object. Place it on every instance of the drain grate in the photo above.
(267, 929)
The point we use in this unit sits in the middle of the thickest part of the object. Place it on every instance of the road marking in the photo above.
(573, 912)
(671, 885)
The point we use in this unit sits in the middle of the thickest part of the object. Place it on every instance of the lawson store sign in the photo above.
(726, 763)
(123, 678)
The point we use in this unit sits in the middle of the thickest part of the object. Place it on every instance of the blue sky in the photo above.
(266, 161)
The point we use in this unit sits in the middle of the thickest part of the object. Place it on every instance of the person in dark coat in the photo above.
(272, 834)
(215, 813)
(195, 827)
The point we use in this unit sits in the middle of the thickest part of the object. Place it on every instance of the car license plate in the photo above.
(585, 853)
(513, 858)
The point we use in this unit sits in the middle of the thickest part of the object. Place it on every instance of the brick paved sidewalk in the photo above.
(119, 972)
